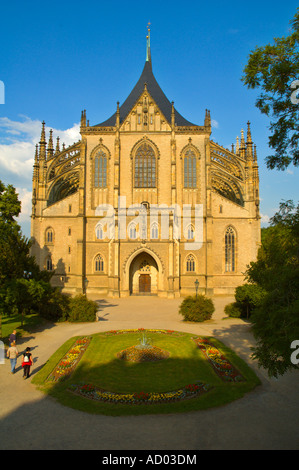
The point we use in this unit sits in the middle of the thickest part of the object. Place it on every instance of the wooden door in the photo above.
(144, 283)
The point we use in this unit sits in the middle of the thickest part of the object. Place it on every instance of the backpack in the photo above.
(26, 358)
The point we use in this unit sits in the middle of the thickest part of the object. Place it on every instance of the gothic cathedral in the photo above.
(145, 203)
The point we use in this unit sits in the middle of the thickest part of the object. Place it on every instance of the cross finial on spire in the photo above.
(148, 44)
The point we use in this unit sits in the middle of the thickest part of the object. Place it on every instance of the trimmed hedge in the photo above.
(197, 309)
(232, 310)
(81, 309)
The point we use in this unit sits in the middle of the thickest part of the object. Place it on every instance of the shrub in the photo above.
(197, 309)
(248, 297)
(81, 309)
(56, 307)
(232, 310)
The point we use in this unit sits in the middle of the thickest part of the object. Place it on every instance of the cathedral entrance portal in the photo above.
(143, 275)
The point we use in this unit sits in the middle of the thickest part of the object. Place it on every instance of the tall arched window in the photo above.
(49, 235)
(189, 169)
(49, 264)
(99, 264)
(100, 170)
(145, 167)
(190, 264)
(230, 249)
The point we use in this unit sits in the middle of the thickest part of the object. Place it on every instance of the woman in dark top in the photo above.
(26, 363)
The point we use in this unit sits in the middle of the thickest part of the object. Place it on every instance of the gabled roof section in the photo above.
(147, 77)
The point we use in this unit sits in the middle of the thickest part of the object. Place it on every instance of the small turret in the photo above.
(57, 146)
(83, 118)
(50, 151)
(249, 145)
(36, 164)
(42, 143)
(117, 115)
(172, 115)
(242, 145)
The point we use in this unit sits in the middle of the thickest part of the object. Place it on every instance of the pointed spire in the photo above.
(148, 44)
(117, 115)
(249, 152)
(207, 119)
(50, 151)
(35, 166)
(242, 139)
(36, 155)
(249, 140)
(233, 148)
(57, 146)
(172, 115)
(242, 146)
(83, 118)
(42, 143)
(43, 134)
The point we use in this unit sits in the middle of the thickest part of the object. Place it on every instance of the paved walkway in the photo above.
(266, 418)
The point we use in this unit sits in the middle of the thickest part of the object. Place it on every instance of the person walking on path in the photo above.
(12, 354)
(26, 363)
(13, 337)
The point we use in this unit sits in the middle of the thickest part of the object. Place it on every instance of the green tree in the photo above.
(17, 294)
(10, 206)
(275, 322)
(274, 69)
(248, 297)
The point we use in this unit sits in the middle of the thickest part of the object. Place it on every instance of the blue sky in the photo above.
(58, 58)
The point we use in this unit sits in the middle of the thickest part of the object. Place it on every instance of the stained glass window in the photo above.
(145, 167)
(230, 247)
(99, 264)
(190, 264)
(100, 170)
(189, 169)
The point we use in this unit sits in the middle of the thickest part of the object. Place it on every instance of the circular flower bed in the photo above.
(106, 378)
(136, 354)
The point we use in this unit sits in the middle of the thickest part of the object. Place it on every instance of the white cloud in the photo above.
(18, 140)
(17, 150)
(214, 123)
(25, 198)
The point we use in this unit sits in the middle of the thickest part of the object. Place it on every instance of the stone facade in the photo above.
(145, 154)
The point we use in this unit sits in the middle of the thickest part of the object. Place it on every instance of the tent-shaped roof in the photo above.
(147, 77)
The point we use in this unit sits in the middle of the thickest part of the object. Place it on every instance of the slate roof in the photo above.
(157, 94)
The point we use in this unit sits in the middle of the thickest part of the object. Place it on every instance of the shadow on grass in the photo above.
(168, 375)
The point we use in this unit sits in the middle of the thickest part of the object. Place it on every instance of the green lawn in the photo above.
(186, 365)
(13, 322)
